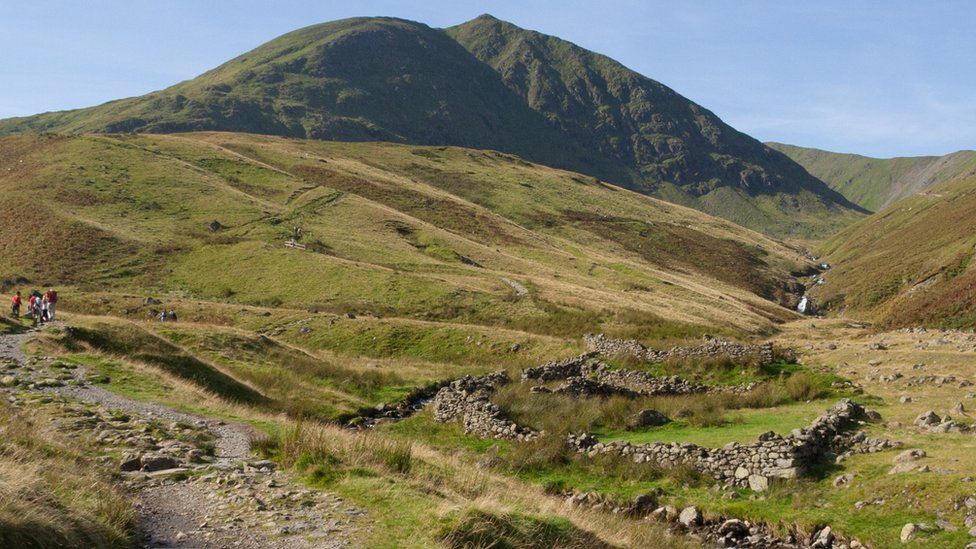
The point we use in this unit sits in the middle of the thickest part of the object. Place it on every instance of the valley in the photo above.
(379, 284)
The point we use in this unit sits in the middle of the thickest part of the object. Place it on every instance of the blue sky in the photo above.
(877, 78)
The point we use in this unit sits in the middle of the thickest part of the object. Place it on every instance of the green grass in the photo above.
(742, 426)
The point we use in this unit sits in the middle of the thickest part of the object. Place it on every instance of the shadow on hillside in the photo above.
(11, 326)
(141, 346)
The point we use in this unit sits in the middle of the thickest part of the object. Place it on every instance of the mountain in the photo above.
(911, 263)
(485, 84)
(435, 233)
(876, 183)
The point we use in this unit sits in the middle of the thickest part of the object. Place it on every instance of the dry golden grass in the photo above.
(52, 494)
(448, 484)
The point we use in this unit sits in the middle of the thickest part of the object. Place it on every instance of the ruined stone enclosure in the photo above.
(772, 456)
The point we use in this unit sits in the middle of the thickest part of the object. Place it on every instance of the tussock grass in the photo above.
(476, 528)
(322, 455)
(52, 494)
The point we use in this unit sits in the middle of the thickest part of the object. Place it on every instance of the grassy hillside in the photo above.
(876, 183)
(487, 85)
(911, 263)
(438, 234)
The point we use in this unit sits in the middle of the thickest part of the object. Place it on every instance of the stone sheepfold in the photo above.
(711, 348)
(753, 465)
(586, 376)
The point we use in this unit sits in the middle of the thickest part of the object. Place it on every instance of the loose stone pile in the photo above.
(711, 348)
(717, 531)
(936, 380)
(726, 532)
(752, 465)
(469, 400)
(930, 421)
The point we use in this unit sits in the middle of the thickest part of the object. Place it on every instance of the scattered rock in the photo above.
(908, 532)
(690, 517)
(734, 528)
(130, 464)
(824, 539)
(927, 419)
(150, 463)
(648, 418)
(843, 480)
(910, 455)
(758, 483)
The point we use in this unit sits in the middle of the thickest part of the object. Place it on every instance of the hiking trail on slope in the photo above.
(185, 496)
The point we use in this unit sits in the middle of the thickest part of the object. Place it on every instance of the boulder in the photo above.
(130, 463)
(843, 480)
(690, 517)
(824, 539)
(758, 483)
(734, 528)
(908, 532)
(151, 463)
(176, 473)
(648, 418)
(910, 455)
(927, 419)
(8, 381)
(906, 467)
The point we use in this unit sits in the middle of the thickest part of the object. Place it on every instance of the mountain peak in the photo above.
(485, 84)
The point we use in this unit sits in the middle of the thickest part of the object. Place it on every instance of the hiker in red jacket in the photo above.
(51, 300)
(15, 305)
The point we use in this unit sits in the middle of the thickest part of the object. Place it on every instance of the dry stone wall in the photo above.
(587, 376)
(710, 348)
(772, 456)
(468, 400)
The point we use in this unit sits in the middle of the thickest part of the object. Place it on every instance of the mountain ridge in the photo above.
(876, 183)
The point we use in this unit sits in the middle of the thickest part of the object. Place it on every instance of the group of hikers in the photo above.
(40, 307)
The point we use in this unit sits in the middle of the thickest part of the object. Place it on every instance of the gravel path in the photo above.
(239, 502)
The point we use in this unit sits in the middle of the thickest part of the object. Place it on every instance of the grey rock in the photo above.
(690, 517)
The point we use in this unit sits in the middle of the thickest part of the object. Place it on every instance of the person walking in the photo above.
(36, 312)
(30, 304)
(15, 305)
(51, 298)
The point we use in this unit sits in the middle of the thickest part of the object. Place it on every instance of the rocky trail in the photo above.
(192, 479)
